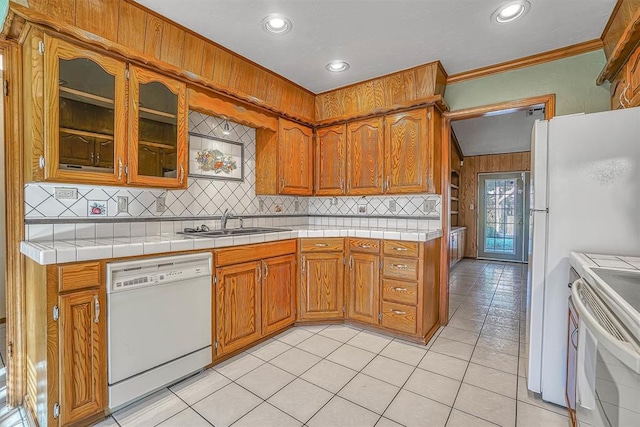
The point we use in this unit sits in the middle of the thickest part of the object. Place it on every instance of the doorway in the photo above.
(501, 224)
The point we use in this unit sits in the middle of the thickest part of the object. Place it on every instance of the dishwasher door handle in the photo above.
(96, 309)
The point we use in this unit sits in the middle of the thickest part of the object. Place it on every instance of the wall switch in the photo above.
(296, 205)
(362, 209)
(66, 193)
(471, 207)
(260, 205)
(123, 204)
(160, 204)
(334, 201)
(392, 206)
(429, 206)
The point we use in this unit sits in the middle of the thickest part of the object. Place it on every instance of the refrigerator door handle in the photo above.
(539, 210)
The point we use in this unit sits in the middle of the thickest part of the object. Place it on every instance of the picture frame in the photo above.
(215, 158)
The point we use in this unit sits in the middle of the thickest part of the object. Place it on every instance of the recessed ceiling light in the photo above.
(276, 24)
(337, 66)
(510, 11)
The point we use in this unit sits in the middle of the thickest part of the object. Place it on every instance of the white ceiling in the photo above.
(501, 133)
(378, 37)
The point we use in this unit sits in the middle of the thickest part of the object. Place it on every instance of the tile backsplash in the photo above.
(206, 199)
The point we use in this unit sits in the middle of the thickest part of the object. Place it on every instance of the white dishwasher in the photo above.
(159, 323)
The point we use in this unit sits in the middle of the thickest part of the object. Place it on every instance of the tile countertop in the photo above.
(584, 263)
(46, 252)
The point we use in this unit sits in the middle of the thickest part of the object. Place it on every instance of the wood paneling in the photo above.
(330, 161)
(365, 148)
(278, 290)
(321, 285)
(238, 305)
(383, 93)
(512, 162)
(129, 29)
(266, 162)
(527, 61)
(364, 287)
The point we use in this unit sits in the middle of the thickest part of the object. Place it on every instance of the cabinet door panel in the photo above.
(330, 161)
(364, 287)
(158, 136)
(238, 305)
(365, 156)
(321, 287)
(277, 293)
(84, 115)
(295, 154)
(82, 355)
(633, 70)
(406, 146)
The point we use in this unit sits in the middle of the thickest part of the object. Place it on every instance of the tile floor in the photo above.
(470, 374)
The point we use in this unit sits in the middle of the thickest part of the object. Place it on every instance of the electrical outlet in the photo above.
(392, 206)
(296, 205)
(123, 204)
(362, 209)
(66, 193)
(429, 206)
(334, 201)
(260, 205)
(160, 204)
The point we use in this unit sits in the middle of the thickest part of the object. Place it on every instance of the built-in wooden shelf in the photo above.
(78, 132)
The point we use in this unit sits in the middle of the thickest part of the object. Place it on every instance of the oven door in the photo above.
(608, 372)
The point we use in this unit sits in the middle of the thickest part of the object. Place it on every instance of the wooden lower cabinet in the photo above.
(66, 347)
(364, 287)
(457, 238)
(278, 299)
(253, 298)
(238, 303)
(322, 285)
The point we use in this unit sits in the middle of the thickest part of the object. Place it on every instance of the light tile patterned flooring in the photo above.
(470, 374)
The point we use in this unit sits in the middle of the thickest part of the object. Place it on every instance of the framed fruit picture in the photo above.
(215, 158)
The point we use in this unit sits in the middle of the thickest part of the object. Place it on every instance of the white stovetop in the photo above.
(60, 251)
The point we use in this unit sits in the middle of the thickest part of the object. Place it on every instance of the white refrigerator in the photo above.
(585, 197)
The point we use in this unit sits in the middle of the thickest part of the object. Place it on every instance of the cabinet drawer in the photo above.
(399, 248)
(401, 292)
(78, 276)
(322, 245)
(247, 253)
(364, 245)
(399, 317)
(401, 268)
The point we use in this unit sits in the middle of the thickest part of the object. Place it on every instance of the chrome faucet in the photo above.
(227, 216)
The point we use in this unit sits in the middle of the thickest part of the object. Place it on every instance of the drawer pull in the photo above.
(322, 245)
(96, 309)
(363, 246)
(398, 312)
(400, 266)
(399, 289)
(400, 249)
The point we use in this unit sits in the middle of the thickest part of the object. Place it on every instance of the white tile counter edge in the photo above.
(61, 251)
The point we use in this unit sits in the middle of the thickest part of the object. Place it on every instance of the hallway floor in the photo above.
(470, 374)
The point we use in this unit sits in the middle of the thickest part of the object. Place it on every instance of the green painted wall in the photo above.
(4, 8)
(571, 79)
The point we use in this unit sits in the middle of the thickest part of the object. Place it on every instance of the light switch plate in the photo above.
(392, 206)
(296, 205)
(334, 201)
(123, 204)
(260, 205)
(160, 204)
(66, 193)
(429, 206)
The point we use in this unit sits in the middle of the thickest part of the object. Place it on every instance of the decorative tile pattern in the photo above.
(377, 205)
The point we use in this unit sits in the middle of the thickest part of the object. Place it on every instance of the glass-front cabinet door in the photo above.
(84, 114)
(157, 130)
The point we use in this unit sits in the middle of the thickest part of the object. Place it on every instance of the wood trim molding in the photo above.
(629, 39)
(527, 61)
(469, 113)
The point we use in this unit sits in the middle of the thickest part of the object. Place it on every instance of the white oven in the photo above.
(159, 323)
(608, 365)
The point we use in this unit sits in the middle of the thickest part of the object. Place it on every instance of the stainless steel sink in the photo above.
(232, 232)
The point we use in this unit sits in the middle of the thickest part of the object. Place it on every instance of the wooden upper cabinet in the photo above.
(407, 148)
(158, 132)
(322, 286)
(331, 148)
(633, 78)
(278, 289)
(365, 148)
(84, 115)
(82, 355)
(364, 287)
(238, 305)
(295, 159)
